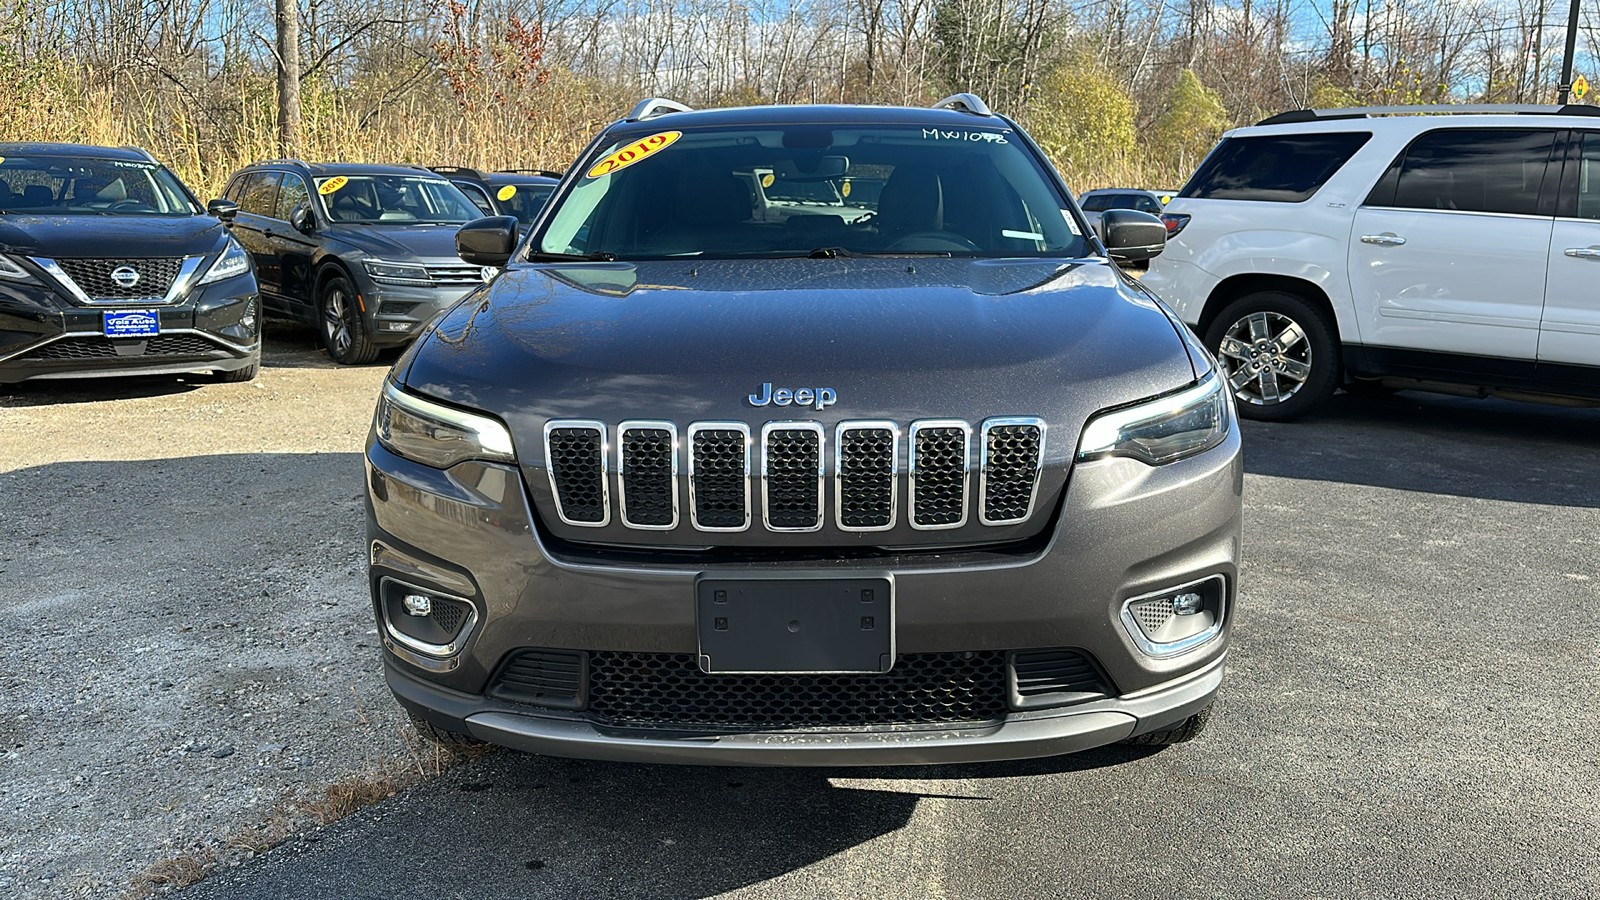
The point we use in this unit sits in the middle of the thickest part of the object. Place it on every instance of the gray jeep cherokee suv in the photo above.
(933, 484)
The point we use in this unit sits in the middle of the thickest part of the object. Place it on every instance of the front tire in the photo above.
(1279, 352)
(239, 376)
(1181, 733)
(341, 324)
(450, 740)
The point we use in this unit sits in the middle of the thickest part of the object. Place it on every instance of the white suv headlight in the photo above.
(233, 261)
(437, 435)
(1165, 429)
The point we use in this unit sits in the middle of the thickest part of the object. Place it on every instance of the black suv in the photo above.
(110, 266)
(519, 193)
(366, 253)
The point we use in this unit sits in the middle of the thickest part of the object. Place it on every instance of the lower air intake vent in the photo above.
(866, 479)
(939, 464)
(1012, 452)
(1041, 678)
(791, 471)
(649, 470)
(719, 475)
(575, 453)
(669, 690)
(553, 678)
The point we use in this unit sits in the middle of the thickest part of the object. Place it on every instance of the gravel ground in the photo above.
(190, 643)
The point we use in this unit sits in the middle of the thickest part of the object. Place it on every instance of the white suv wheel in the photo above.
(1266, 357)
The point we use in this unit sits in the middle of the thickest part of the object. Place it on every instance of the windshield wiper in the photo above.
(546, 256)
(829, 253)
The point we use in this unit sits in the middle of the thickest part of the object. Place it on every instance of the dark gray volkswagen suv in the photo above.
(927, 481)
(365, 253)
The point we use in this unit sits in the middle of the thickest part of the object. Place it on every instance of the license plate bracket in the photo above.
(789, 625)
(131, 323)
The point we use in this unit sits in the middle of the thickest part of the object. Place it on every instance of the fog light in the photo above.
(395, 326)
(418, 605)
(1185, 604)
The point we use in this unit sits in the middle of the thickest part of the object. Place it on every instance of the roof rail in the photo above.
(142, 152)
(456, 170)
(656, 106)
(548, 173)
(1355, 112)
(967, 103)
(279, 162)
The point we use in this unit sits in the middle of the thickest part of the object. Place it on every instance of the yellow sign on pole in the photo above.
(1580, 86)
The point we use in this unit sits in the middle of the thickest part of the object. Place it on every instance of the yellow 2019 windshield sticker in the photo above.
(845, 189)
(506, 193)
(767, 179)
(332, 184)
(624, 157)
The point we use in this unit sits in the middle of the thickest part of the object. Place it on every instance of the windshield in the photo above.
(394, 200)
(69, 186)
(812, 190)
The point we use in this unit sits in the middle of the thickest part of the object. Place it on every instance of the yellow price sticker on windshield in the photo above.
(767, 179)
(845, 189)
(332, 184)
(506, 193)
(634, 152)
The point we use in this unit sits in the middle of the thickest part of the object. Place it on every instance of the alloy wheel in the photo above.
(333, 320)
(1266, 357)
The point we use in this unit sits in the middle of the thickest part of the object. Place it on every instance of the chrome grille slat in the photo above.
(647, 475)
(455, 274)
(866, 487)
(575, 456)
(791, 476)
(1008, 474)
(719, 476)
(941, 453)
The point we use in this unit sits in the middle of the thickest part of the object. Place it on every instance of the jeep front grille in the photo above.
(576, 451)
(647, 466)
(940, 459)
(791, 476)
(1008, 474)
(794, 473)
(93, 277)
(719, 476)
(864, 475)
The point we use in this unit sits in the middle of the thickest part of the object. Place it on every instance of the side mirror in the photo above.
(1132, 236)
(487, 242)
(223, 209)
(300, 217)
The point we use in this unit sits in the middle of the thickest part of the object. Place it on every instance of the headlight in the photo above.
(233, 261)
(1162, 430)
(436, 435)
(395, 273)
(10, 271)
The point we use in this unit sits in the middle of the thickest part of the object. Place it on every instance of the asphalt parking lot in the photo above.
(1410, 711)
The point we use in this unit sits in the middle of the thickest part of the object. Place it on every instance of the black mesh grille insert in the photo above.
(95, 347)
(1056, 677)
(553, 678)
(1011, 469)
(866, 477)
(647, 473)
(939, 492)
(668, 689)
(793, 464)
(93, 277)
(578, 473)
(719, 478)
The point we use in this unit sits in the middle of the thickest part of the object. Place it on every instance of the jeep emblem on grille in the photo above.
(821, 398)
(126, 276)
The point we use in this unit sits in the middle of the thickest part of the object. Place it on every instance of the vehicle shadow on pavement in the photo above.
(1486, 449)
(95, 390)
(288, 344)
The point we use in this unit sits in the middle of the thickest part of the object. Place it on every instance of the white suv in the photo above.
(1373, 250)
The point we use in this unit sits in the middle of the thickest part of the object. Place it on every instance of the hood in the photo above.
(399, 243)
(89, 236)
(900, 339)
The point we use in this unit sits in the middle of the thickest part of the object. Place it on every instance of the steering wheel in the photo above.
(939, 240)
(125, 204)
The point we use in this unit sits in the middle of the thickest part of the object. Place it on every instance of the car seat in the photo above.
(37, 195)
(912, 201)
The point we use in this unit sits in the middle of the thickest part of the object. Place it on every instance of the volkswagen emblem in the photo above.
(487, 273)
(125, 276)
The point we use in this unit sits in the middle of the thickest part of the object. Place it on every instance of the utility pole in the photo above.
(1572, 45)
(288, 21)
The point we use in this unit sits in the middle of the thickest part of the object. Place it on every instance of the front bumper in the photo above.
(1021, 735)
(1121, 530)
(216, 328)
(397, 313)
